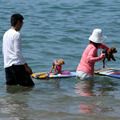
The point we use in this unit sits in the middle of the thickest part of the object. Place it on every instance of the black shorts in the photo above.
(16, 74)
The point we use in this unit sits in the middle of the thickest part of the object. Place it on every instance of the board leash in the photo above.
(47, 75)
(102, 66)
(107, 65)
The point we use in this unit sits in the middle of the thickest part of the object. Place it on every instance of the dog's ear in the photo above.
(115, 50)
(60, 61)
(112, 50)
(109, 50)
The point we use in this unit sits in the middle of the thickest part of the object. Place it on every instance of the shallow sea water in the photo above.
(60, 29)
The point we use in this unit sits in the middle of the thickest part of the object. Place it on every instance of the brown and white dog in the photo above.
(109, 55)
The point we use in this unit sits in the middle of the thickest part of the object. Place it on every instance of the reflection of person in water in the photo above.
(87, 108)
(84, 88)
(13, 105)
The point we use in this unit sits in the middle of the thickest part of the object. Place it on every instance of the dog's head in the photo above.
(112, 50)
(61, 62)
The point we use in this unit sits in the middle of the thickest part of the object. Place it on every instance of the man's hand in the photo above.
(28, 69)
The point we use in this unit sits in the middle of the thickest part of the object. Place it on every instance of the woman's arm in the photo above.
(92, 56)
(103, 46)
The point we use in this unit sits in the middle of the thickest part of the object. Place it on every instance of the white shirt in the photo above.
(12, 50)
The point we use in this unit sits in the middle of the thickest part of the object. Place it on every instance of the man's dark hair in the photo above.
(15, 18)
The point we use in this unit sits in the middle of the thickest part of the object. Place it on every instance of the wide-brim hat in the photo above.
(97, 36)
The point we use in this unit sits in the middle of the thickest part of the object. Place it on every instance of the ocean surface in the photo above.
(55, 29)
